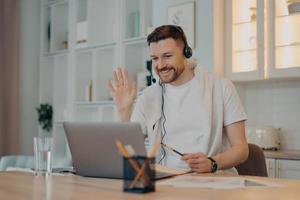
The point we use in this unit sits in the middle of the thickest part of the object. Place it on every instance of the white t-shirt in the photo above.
(197, 113)
(182, 132)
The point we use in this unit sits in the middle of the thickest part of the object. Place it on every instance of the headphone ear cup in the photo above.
(187, 52)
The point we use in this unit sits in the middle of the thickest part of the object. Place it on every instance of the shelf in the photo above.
(95, 103)
(97, 46)
(135, 40)
(58, 52)
(244, 50)
(288, 45)
(54, 2)
(289, 15)
(240, 23)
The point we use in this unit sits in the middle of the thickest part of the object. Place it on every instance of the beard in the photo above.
(169, 74)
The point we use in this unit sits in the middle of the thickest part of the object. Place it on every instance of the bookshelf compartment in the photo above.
(84, 64)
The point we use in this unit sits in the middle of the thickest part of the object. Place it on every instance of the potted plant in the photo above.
(43, 143)
(45, 115)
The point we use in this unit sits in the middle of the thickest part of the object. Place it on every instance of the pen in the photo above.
(171, 149)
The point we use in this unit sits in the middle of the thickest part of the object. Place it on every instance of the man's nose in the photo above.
(160, 64)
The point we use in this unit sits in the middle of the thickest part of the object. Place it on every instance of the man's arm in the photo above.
(239, 151)
(237, 154)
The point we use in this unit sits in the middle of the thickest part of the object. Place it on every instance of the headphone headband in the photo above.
(187, 50)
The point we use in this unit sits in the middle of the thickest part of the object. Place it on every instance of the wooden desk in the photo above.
(18, 185)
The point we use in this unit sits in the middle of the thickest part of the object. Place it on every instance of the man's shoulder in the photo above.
(150, 93)
(213, 77)
(150, 90)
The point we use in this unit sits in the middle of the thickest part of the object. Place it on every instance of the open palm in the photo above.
(123, 90)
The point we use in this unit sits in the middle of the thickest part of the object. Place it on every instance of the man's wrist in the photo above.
(214, 165)
(124, 114)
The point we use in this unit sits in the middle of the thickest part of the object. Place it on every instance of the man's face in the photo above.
(167, 59)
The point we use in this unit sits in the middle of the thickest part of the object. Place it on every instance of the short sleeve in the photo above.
(233, 108)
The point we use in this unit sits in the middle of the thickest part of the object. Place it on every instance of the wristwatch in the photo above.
(214, 165)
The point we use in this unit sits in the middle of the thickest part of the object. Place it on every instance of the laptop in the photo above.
(94, 151)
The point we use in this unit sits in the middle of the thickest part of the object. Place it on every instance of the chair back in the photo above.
(255, 165)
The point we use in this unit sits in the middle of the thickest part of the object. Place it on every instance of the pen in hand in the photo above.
(171, 149)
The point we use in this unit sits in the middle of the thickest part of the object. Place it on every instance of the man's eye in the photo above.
(154, 59)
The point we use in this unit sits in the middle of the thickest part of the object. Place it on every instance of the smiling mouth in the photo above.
(165, 71)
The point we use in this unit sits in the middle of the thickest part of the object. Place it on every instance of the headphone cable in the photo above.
(164, 122)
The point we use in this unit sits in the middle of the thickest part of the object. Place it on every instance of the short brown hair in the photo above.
(165, 32)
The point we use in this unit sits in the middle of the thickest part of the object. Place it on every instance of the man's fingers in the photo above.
(199, 169)
(110, 85)
(119, 76)
(115, 78)
(125, 77)
(193, 161)
(192, 156)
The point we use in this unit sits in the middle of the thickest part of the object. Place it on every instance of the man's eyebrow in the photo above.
(165, 53)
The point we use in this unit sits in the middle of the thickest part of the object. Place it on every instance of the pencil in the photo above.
(151, 154)
(132, 162)
(154, 148)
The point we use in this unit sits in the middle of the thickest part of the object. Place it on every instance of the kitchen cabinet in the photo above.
(289, 169)
(283, 168)
(262, 40)
(271, 167)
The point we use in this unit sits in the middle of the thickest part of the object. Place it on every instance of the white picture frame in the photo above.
(183, 15)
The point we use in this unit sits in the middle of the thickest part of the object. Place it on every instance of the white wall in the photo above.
(203, 26)
(29, 68)
(274, 103)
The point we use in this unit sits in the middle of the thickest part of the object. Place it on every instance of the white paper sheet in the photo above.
(194, 181)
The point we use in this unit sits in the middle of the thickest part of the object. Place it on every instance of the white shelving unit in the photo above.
(285, 42)
(102, 21)
(138, 18)
(245, 39)
(263, 39)
(82, 41)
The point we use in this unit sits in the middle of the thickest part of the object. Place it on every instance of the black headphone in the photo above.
(187, 50)
(150, 79)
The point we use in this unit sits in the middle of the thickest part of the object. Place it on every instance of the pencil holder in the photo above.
(139, 174)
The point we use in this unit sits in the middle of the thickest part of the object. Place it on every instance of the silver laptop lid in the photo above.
(93, 146)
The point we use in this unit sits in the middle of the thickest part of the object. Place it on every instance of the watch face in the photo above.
(214, 167)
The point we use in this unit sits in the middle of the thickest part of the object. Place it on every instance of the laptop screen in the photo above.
(93, 146)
